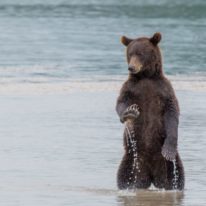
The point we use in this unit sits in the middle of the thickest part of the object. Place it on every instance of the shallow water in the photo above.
(65, 150)
(61, 68)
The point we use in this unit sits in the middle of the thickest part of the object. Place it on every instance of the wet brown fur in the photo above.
(156, 127)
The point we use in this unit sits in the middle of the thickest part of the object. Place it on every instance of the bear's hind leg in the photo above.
(175, 174)
(169, 175)
(142, 182)
(130, 177)
(159, 173)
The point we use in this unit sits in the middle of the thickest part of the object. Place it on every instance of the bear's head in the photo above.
(143, 55)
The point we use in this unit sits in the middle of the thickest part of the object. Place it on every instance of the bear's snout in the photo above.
(135, 65)
(131, 68)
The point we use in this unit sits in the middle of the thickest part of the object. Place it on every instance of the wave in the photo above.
(95, 84)
(114, 9)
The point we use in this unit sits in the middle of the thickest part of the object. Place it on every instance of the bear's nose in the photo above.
(131, 68)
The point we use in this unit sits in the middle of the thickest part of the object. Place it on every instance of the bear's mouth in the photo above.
(134, 69)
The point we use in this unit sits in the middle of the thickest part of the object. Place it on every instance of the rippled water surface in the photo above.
(61, 68)
(61, 40)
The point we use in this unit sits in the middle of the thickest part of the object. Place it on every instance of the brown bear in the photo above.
(149, 108)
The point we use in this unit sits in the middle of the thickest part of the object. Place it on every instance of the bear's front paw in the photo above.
(168, 152)
(132, 112)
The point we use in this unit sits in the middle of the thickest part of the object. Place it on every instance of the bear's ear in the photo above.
(156, 38)
(126, 40)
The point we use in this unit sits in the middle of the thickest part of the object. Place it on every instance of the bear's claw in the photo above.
(168, 153)
(132, 112)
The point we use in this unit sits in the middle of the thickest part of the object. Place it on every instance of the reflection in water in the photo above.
(152, 198)
(139, 198)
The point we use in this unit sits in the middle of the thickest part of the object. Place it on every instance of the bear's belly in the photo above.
(149, 129)
(145, 139)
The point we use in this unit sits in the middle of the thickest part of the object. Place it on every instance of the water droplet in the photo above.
(176, 176)
(131, 142)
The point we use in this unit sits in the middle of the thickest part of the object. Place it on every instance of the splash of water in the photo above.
(132, 145)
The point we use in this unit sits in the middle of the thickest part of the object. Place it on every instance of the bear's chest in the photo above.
(149, 97)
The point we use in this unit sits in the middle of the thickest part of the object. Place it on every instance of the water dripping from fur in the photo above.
(132, 145)
(175, 174)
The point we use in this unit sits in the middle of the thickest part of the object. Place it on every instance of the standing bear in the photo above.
(149, 108)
